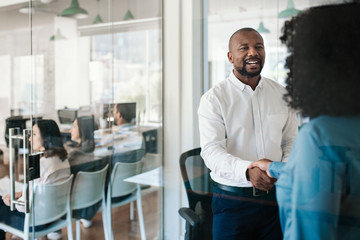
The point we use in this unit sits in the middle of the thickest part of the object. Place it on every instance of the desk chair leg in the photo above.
(105, 224)
(140, 213)
(69, 225)
(132, 211)
(108, 218)
(78, 230)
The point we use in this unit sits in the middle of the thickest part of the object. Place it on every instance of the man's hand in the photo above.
(260, 179)
(263, 164)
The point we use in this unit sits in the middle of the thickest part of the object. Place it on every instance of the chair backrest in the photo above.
(151, 141)
(88, 188)
(14, 122)
(121, 171)
(55, 198)
(67, 115)
(128, 156)
(196, 177)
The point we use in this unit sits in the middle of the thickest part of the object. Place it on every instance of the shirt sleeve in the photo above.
(289, 134)
(213, 143)
(309, 192)
(275, 169)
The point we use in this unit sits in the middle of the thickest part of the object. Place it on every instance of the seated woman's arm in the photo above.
(6, 198)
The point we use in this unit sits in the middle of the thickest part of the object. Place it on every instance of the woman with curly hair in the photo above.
(317, 190)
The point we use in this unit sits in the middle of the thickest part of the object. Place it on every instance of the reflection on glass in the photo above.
(77, 81)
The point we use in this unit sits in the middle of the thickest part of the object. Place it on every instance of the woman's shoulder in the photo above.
(53, 163)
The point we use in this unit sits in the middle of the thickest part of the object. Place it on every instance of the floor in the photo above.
(123, 227)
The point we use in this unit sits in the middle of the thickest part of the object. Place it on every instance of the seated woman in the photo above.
(82, 134)
(81, 158)
(54, 167)
(82, 140)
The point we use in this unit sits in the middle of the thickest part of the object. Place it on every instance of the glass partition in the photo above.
(94, 68)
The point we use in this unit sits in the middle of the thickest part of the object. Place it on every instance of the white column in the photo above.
(182, 89)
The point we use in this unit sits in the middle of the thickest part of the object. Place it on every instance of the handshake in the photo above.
(260, 176)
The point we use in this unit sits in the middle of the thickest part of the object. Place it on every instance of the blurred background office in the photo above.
(68, 59)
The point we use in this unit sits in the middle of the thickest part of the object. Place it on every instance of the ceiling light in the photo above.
(27, 10)
(57, 36)
(262, 28)
(290, 10)
(75, 11)
(128, 15)
(98, 18)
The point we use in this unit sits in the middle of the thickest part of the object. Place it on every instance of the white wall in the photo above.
(182, 81)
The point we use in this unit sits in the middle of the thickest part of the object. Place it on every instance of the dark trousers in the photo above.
(236, 216)
(11, 218)
(14, 219)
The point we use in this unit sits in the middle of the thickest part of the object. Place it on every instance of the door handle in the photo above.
(29, 174)
(14, 135)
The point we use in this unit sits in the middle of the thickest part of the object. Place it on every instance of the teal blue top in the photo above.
(318, 190)
(275, 169)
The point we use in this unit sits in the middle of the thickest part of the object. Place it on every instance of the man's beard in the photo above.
(242, 71)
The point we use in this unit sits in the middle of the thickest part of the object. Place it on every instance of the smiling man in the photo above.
(244, 119)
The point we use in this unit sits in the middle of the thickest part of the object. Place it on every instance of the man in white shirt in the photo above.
(244, 119)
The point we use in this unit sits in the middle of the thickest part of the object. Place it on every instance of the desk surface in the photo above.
(153, 177)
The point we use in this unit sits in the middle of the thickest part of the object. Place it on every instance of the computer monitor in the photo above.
(67, 115)
(108, 111)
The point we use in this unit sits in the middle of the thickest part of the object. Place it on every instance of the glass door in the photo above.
(19, 161)
(85, 77)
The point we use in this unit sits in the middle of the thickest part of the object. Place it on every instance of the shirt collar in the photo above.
(240, 84)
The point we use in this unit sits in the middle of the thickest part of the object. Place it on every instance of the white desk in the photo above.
(153, 177)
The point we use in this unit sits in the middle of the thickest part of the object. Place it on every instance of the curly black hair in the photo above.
(324, 66)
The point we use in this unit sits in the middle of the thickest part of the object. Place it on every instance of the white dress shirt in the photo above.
(238, 126)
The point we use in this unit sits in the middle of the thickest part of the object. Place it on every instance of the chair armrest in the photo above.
(190, 216)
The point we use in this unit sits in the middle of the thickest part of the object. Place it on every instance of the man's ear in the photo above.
(230, 57)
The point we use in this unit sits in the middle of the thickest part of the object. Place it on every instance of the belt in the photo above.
(244, 191)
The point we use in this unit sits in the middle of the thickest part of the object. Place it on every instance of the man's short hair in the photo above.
(127, 111)
(245, 29)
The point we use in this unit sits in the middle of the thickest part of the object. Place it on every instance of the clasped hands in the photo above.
(260, 176)
(6, 198)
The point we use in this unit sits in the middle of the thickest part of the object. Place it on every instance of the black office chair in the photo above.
(151, 141)
(14, 122)
(198, 185)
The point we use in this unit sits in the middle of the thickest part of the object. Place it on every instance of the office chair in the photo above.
(55, 198)
(151, 141)
(198, 186)
(82, 197)
(14, 122)
(128, 192)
